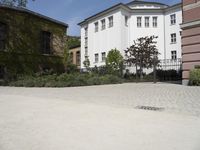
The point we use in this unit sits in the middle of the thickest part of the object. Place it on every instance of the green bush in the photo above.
(65, 80)
(195, 77)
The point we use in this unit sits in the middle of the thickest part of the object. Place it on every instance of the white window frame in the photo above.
(155, 22)
(86, 51)
(86, 31)
(173, 38)
(103, 24)
(139, 22)
(103, 56)
(174, 55)
(86, 42)
(96, 26)
(173, 19)
(126, 20)
(111, 21)
(96, 58)
(147, 20)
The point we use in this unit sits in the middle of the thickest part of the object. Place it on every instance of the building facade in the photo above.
(30, 41)
(190, 37)
(75, 55)
(118, 26)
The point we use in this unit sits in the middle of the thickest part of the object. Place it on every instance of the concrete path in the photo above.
(100, 118)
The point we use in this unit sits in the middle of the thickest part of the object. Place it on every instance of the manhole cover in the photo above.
(150, 108)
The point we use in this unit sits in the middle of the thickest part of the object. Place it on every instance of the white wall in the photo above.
(103, 40)
(143, 31)
(169, 29)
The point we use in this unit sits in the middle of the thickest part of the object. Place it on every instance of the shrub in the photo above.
(195, 77)
(94, 81)
(65, 80)
(110, 79)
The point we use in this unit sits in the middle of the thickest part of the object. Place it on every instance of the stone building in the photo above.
(75, 54)
(190, 37)
(30, 41)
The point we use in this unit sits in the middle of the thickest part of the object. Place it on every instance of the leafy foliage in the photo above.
(195, 77)
(73, 42)
(143, 53)
(114, 59)
(65, 80)
(86, 64)
(22, 53)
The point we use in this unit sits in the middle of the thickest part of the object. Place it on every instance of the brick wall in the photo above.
(190, 36)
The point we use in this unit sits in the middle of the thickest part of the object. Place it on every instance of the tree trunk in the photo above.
(136, 72)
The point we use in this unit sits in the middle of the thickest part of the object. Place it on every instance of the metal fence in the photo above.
(170, 64)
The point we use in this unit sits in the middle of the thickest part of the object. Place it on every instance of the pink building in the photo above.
(190, 37)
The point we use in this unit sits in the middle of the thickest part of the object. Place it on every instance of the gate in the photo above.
(169, 70)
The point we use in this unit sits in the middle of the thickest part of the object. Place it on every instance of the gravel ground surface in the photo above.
(100, 118)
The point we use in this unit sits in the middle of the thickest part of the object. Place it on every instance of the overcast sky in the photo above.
(74, 11)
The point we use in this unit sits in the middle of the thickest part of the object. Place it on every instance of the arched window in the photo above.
(2, 36)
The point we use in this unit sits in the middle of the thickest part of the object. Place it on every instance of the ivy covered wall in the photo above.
(22, 54)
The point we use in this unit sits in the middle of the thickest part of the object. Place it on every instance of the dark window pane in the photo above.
(1, 72)
(46, 42)
(78, 58)
(2, 36)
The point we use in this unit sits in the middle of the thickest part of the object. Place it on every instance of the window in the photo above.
(126, 20)
(173, 19)
(86, 42)
(96, 24)
(2, 36)
(146, 22)
(155, 22)
(86, 57)
(86, 32)
(173, 38)
(110, 21)
(1, 72)
(103, 24)
(103, 57)
(174, 55)
(139, 22)
(86, 51)
(78, 58)
(71, 57)
(96, 58)
(46, 42)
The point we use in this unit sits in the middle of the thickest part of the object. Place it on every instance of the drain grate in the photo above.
(150, 108)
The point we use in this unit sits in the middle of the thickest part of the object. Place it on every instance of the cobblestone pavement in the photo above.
(173, 98)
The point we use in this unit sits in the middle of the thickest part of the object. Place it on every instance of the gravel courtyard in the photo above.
(100, 118)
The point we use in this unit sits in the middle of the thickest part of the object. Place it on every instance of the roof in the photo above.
(119, 5)
(24, 10)
(145, 2)
(126, 6)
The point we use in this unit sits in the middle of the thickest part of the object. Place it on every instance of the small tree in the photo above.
(86, 64)
(114, 60)
(143, 53)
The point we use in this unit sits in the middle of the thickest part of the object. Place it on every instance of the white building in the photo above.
(118, 26)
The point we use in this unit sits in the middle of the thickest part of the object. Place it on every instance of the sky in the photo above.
(74, 11)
